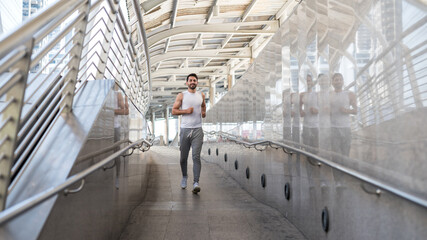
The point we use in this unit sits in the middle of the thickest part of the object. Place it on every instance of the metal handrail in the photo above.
(35, 200)
(405, 195)
(76, 190)
(104, 150)
(13, 57)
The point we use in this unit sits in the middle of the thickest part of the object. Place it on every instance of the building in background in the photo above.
(10, 15)
(30, 7)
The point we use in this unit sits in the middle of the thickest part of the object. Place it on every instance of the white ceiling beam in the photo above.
(216, 51)
(170, 72)
(176, 55)
(218, 79)
(237, 66)
(208, 19)
(149, 5)
(211, 53)
(222, 28)
(256, 51)
(177, 84)
(226, 40)
(172, 94)
(248, 10)
(254, 40)
(287, 10)
(186, 71)
(173, 20)
(242, 19)
(211, 12)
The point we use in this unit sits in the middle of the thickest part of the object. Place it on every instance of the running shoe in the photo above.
(196, 188)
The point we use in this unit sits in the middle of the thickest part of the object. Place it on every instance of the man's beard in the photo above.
(192, 86)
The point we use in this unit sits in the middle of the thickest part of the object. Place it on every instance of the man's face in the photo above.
(192, 82)
(337, 82)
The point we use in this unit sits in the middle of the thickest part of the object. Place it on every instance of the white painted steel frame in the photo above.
(19, 134)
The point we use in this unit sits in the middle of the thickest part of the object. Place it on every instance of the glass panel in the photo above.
(368, 86)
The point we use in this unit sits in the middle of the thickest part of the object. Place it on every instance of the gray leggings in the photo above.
(191, 137)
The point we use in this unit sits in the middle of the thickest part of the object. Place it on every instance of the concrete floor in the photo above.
(222, 210)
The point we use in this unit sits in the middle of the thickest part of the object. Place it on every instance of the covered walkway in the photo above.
(222, 210)
(314, 127)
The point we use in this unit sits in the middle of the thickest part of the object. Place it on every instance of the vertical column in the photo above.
(166, 113)
(211, 92)
(233, 78)
(230, 76)
(230, 81)
(255, 131)
(153, 120)
(143, 127)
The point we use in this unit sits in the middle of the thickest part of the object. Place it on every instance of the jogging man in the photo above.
(191, 105)
(343, 103)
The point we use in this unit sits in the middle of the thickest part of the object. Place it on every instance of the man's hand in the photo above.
(189, 110)
(314, 110)
(203, 114)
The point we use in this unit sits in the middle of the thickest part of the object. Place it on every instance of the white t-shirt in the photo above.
(194, 100)
(310, 101)
(340, 100)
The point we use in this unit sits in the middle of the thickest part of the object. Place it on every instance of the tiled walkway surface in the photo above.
(222, 210)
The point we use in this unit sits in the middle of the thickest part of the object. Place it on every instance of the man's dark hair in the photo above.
(336, 75)
(192, 75)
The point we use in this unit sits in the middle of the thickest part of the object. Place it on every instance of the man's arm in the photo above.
(203, 106)
(177, 105)
(123, 106)
(353, 103)
(301, 103)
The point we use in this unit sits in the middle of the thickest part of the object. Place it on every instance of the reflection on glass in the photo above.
(287, 114)
(324, 112)
(343, 103)
(295, 117)
(309, 111)
(371, 114)
(121, 125)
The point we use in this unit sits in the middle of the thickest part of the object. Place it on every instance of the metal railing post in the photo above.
(108, 38)
(126, 45)
(127, 53)
(10, 120)
(143, 35)
(74, 64)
